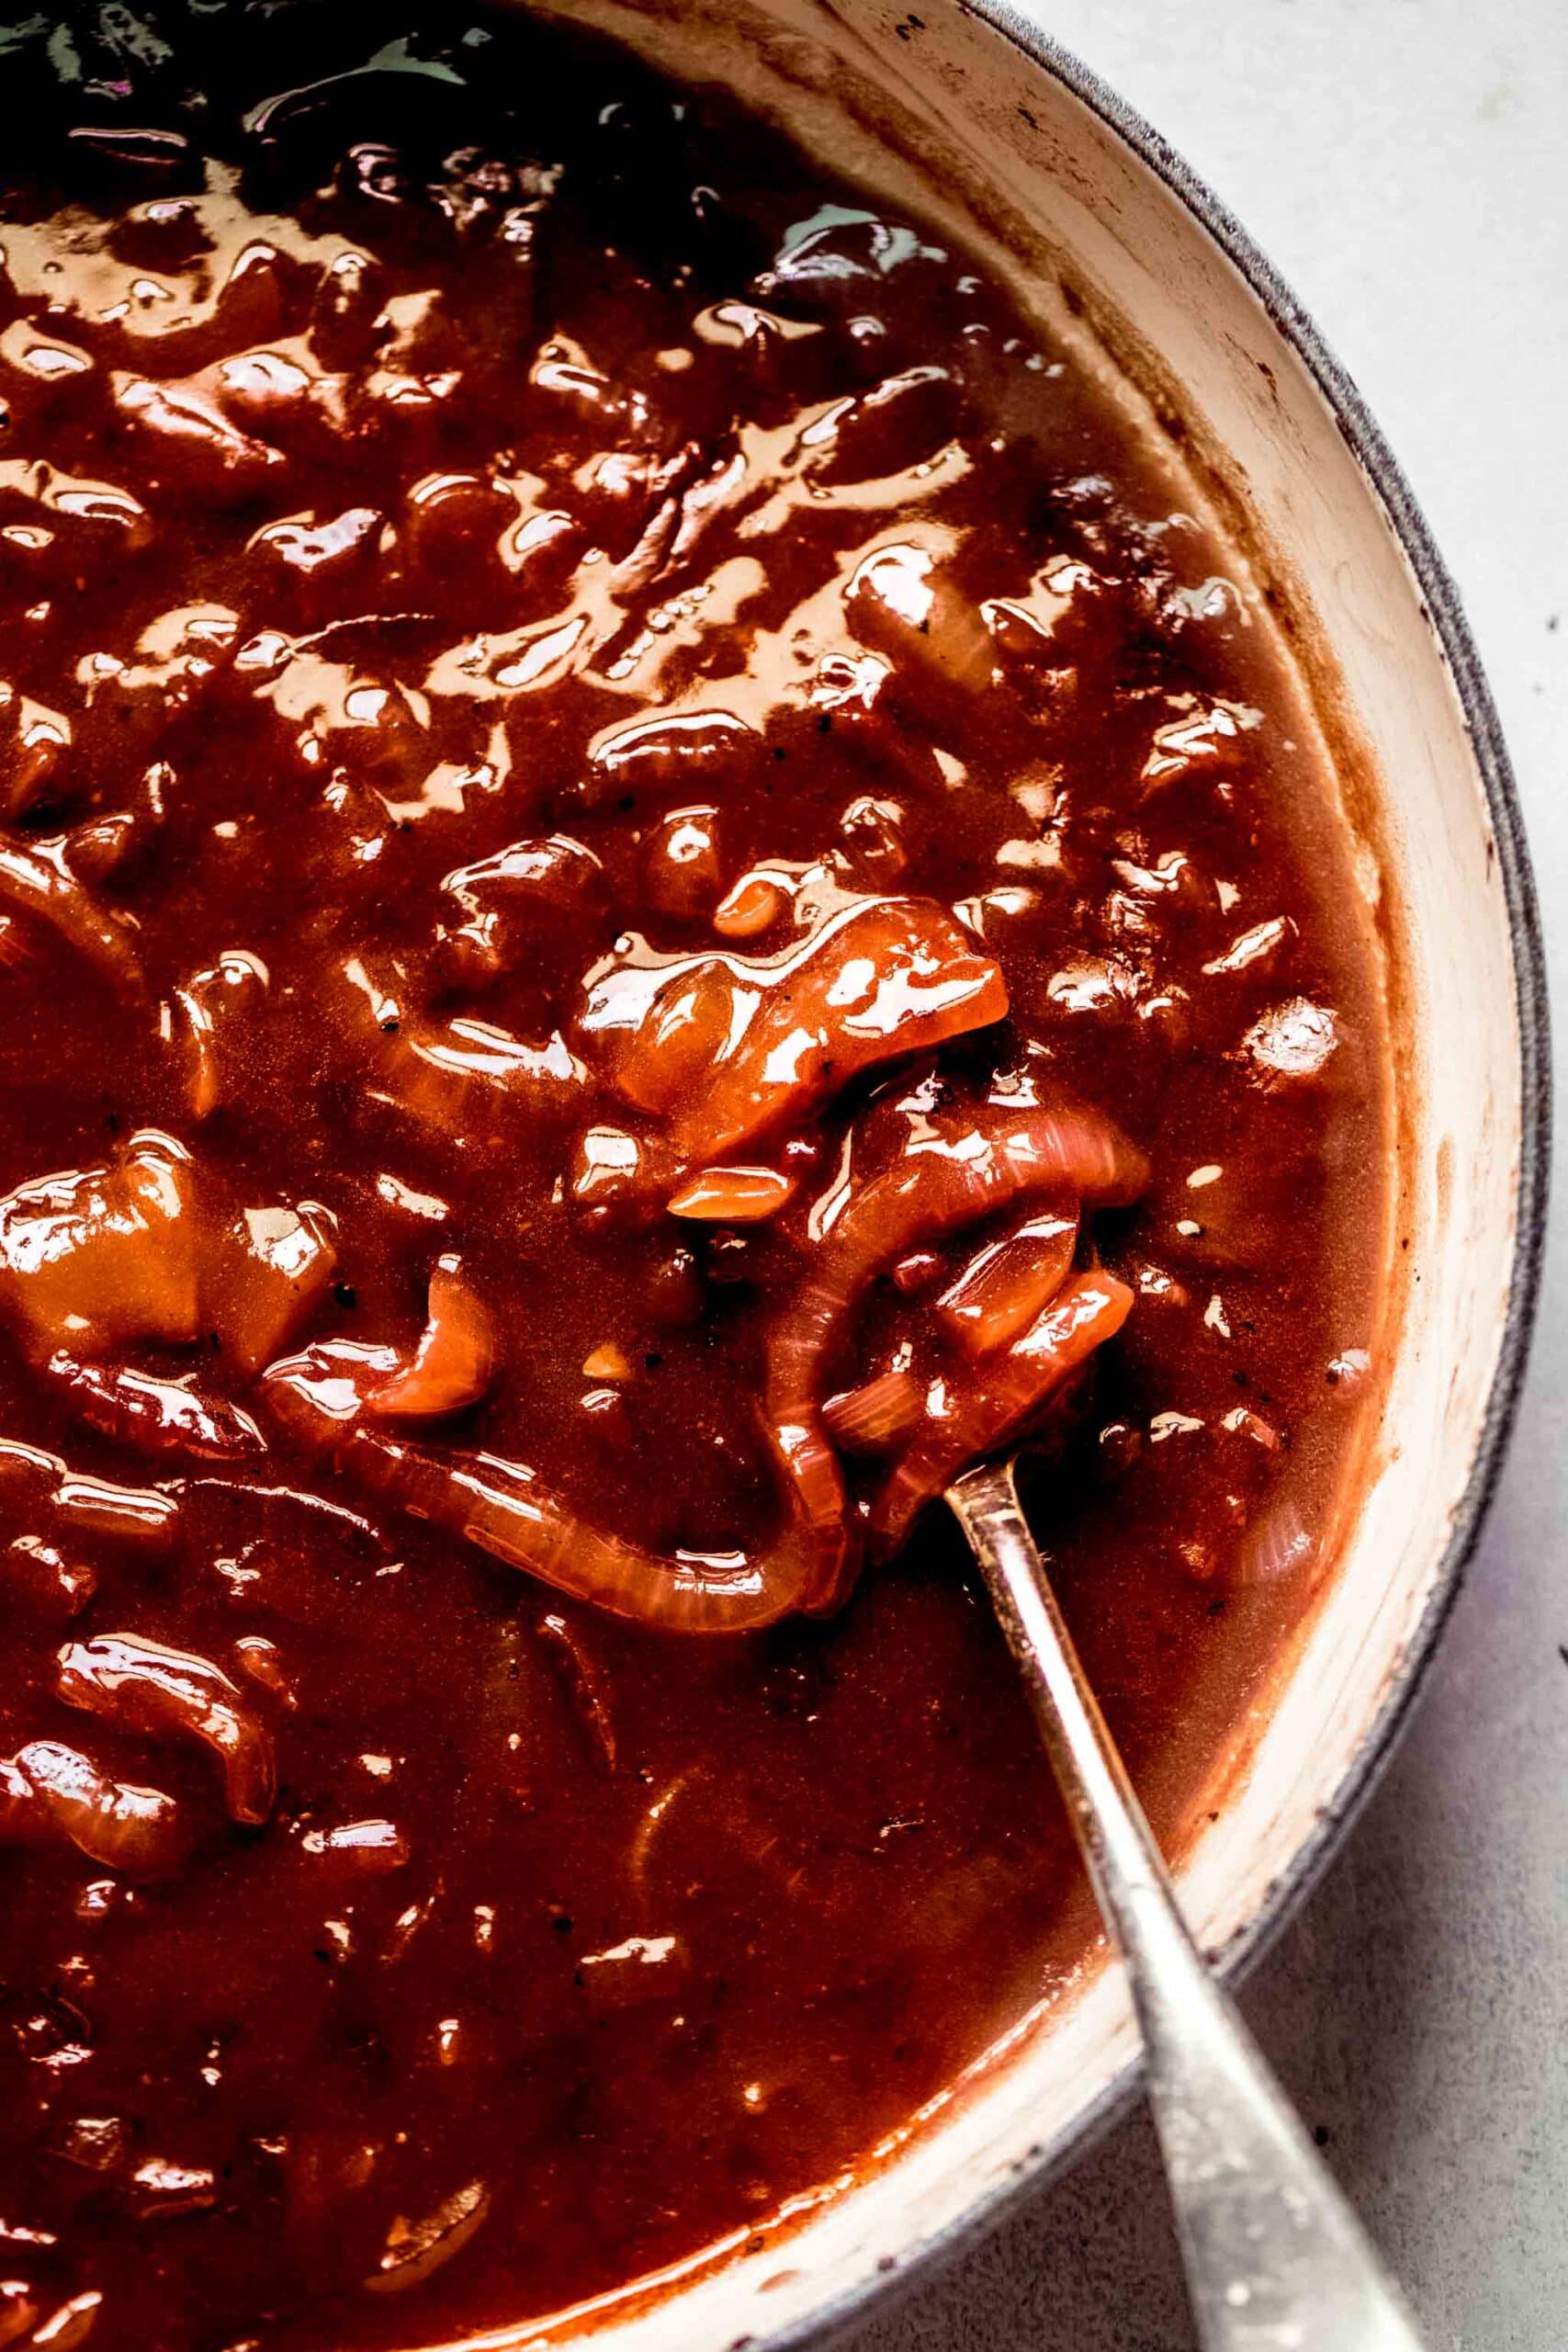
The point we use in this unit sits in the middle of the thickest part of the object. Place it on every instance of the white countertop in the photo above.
(1404, 163)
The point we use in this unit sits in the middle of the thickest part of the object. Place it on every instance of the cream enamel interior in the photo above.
(944, 113)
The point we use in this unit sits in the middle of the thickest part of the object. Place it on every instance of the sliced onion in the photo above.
(586, 1681)
(683, 875)
(70, 2324)
(617, 1178)
(16, 955)
(139, 1686)
(450, 1076)
(1002, 1290)
(455, 1360)
(43, 1579)
(325, 1389)
(142, 1516)
(897, 423)
(1278, 1547)
(444, 1074)
(751, 907)
(156, 1416)
(268, 1273)
(502, 899)
(319, 1393)
(672, 751)
(961, 1167)
(415, 2249)
(215, 1006)
(276, 1500)
(507, 1509)
(1006, 1391)
(37, 881)
(375, 1847)
(160, 2192)
(871, 1419)
(47, 1788)
(19, 2311)
(732, 1195)
(915, 1273)
(33, 740)
(728, 1047)
(100, 1258)
(193, 434)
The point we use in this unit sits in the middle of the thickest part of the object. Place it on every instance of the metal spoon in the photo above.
(1276, 2261)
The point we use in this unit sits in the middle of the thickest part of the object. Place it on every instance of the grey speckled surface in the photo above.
(1404, 163)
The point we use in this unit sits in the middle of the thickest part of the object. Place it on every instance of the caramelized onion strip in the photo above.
(140, 1686)
(92, 1259)
(727, 1048)
(156, 1416)
(47, 1790)
(448, 1077)
(508, 1510)
(85, 1505)
(961, 1169)
(872, 1419)
(1005, 1393)
(455, 1360)
(39, 882)
(323, 1395)
(1002, 1291)
(966, 1167)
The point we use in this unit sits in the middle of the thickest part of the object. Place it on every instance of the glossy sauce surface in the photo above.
(650, 888)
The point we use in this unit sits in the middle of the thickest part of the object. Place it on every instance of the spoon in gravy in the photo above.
(1275, 2257)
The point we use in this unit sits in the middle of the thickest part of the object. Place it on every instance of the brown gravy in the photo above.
(594, 733)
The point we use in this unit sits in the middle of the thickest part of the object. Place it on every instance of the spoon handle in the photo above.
(1276, 2261)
